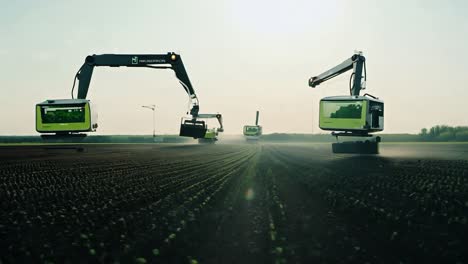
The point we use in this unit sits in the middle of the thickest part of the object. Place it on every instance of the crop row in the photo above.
(417, 208)
(95, 206)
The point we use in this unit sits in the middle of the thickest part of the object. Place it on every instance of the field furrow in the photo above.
(247, 203)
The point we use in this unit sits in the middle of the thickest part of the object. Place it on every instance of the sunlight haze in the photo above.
(241, 56)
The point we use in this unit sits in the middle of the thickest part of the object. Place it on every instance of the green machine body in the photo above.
(359, 114)
(65, 116)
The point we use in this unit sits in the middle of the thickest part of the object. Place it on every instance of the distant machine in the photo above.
(352, 115)
(70, 117)
(211, 135)
(253, 132)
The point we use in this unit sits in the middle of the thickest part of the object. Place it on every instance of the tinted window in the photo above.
(63, 114)
(342, 109)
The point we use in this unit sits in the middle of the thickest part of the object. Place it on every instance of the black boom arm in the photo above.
(356, 63)
(158, 61)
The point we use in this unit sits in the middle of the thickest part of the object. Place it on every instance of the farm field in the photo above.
(233, 203)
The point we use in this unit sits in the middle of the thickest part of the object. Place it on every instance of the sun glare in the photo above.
(281, 16)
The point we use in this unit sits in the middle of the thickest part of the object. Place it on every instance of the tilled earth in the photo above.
(247, 203)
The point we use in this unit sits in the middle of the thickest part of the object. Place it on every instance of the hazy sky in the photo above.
(241, 55)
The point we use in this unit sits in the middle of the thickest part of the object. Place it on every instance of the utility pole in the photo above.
(153, 108)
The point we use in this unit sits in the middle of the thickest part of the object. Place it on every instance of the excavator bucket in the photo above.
(193, 128)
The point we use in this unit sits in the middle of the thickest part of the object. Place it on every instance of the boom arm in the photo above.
(357, 63)
(167, 61)
(218, 116)
(256, 118)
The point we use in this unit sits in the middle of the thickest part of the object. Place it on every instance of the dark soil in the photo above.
(252, 203)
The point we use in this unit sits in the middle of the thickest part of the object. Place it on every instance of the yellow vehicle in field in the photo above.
(211, 134)
(70, 117)
(253, 132)
(353, 115)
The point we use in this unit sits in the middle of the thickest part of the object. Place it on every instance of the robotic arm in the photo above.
(357, 63)
(218, 116)
(167, 61)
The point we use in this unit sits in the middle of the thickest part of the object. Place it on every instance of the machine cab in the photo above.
(352, 113)
(252, 131)
(65, 116)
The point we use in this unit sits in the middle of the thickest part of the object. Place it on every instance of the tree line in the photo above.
(444, 133)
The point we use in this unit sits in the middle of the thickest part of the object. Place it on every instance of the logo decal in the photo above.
(135, 60)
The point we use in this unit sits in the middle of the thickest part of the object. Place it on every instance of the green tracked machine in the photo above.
(211, 135)
(253, 132)
(70, 117)
(353, 115)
